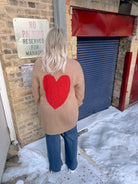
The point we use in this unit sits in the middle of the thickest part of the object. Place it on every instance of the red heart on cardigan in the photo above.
(56, 91)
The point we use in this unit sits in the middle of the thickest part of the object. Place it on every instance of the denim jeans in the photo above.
(54, 150)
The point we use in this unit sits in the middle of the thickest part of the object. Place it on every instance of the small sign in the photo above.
(26, 70)
(30, 36)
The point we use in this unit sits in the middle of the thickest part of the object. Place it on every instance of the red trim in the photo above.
(93, 23)
(134, 89)
(125, 80)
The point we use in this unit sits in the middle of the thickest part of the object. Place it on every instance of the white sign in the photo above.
(30, 36)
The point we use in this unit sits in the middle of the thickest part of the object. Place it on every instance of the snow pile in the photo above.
(113, 144)
(33, 160)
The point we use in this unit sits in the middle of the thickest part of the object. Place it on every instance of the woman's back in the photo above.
(58, 96)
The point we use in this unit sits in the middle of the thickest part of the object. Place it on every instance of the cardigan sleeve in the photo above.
(80, 85)
(35, 84)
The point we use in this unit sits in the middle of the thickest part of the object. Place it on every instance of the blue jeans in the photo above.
(54, 150)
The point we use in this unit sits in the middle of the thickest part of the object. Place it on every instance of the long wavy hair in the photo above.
(55, 53)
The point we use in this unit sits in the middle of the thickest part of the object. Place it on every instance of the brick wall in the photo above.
(106, 5)
(24, 110)
(134, 9)
(71, 40)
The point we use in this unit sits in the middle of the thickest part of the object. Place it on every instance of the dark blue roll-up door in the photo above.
(98, 58)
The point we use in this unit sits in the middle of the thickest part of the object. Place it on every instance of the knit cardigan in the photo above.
(58, 96)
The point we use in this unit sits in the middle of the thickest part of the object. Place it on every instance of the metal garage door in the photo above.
(98, 58)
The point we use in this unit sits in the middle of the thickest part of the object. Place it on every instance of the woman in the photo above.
(58, 89)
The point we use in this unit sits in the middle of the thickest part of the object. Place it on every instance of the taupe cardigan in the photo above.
(58, 97)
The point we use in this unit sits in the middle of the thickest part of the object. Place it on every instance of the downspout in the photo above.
(60, 14)
(125, 77)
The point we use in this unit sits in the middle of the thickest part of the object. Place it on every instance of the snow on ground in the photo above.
(113, 144)
(35, 164)
(108, 151)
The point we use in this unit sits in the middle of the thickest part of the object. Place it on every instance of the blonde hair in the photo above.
(55, 52)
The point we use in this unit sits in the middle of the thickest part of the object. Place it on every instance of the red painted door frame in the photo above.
(134, 89)
(125, 77)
